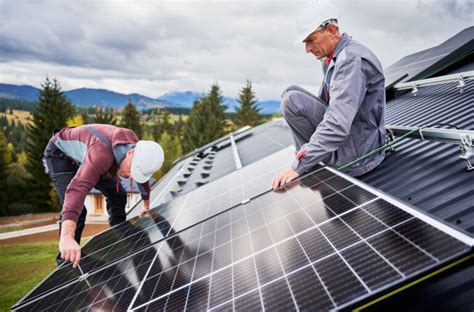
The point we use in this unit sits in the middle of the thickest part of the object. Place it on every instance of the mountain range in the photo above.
(107, 98)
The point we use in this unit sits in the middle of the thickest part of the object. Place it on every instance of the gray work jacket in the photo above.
(354, 122)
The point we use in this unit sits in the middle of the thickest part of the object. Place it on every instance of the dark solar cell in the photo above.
(273, 250)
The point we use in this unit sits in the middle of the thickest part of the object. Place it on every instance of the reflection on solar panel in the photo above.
(323, 243)
(184, 211)
(430, 59)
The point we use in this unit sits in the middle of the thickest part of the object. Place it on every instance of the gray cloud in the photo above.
(153, 47)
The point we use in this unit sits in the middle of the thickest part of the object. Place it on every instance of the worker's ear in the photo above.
(333, 29)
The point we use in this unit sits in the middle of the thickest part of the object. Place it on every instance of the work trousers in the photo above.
(62, 169)
(303, 111)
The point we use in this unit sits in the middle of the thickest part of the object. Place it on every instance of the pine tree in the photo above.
(247, 113)
(52, 111)
(178, 126)
(131, 119)
(172, 149)
(105, 116)
(197, 131)
(156, 128)
(217, 123)
(165, 121)
(3, 174)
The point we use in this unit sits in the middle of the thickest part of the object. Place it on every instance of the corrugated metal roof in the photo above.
(430, 175)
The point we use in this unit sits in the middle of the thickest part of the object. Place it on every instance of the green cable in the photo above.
(383, 147)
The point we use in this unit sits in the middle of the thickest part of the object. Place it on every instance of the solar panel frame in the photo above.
(291, 243)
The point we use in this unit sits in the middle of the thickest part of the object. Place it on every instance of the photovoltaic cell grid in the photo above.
(415, 64)
(173, 216)
(323, 243)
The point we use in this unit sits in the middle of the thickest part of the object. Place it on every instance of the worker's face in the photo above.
(125, 168)
(321, 43)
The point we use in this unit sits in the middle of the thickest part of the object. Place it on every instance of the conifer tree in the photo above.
(248, 112)
(52, 111)
(217, 123)
(105, 116)
(172, 149)
(197, 131)
(3, 174)
(131, 119)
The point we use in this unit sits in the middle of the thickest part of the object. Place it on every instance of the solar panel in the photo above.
(173, 216)
(323, 243)
(432, 59)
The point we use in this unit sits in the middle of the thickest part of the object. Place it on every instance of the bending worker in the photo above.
(346, 120)
(81, 158)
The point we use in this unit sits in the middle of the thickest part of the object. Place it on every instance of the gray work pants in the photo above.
(303, 111)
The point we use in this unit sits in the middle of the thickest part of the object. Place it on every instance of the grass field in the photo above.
(22, 267)
(19, 116)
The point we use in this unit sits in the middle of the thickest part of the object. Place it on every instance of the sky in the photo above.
(155, 47)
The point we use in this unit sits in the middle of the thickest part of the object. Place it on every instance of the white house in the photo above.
(96, 205)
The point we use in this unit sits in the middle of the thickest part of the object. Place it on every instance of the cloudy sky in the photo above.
(155, 47)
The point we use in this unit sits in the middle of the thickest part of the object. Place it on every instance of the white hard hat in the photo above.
(147, 159)
(312, 16)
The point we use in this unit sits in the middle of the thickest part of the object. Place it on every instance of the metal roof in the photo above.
(430, 175)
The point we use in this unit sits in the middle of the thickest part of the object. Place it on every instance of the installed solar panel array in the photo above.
(321, 243)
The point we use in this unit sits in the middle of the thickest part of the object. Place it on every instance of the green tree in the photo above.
(247, 113)
(3, 174)
(131, 119)
(217, 122)
(172, 149)
(178, 126)
(105, 116)
(197, 132)
(53, 110)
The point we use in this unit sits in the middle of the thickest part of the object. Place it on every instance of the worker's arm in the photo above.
(145, 190)
(145, 208)
(347, 93)
(69, 248)
(97, 161)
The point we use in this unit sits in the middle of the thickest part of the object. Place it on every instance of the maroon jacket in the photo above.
(88, 145)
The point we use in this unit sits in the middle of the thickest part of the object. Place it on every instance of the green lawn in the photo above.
(22, 267)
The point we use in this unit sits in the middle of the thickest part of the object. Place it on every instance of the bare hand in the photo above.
(145, 208)
(70, 250)
(283, 178)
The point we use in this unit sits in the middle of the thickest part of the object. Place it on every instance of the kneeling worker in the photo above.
(81, 158)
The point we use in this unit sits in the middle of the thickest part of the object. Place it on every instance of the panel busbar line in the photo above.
(174, 216)
(322, 243)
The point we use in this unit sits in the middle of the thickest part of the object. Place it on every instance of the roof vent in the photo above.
(209, 161)
(207, 167)
(186, 174)
(205, 173)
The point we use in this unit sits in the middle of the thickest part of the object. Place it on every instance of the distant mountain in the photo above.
(187, 98)
(184, 99)
(23, 92)
(106, 98)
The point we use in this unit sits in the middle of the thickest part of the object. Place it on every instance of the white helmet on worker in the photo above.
(147, 159)
(317, 14)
